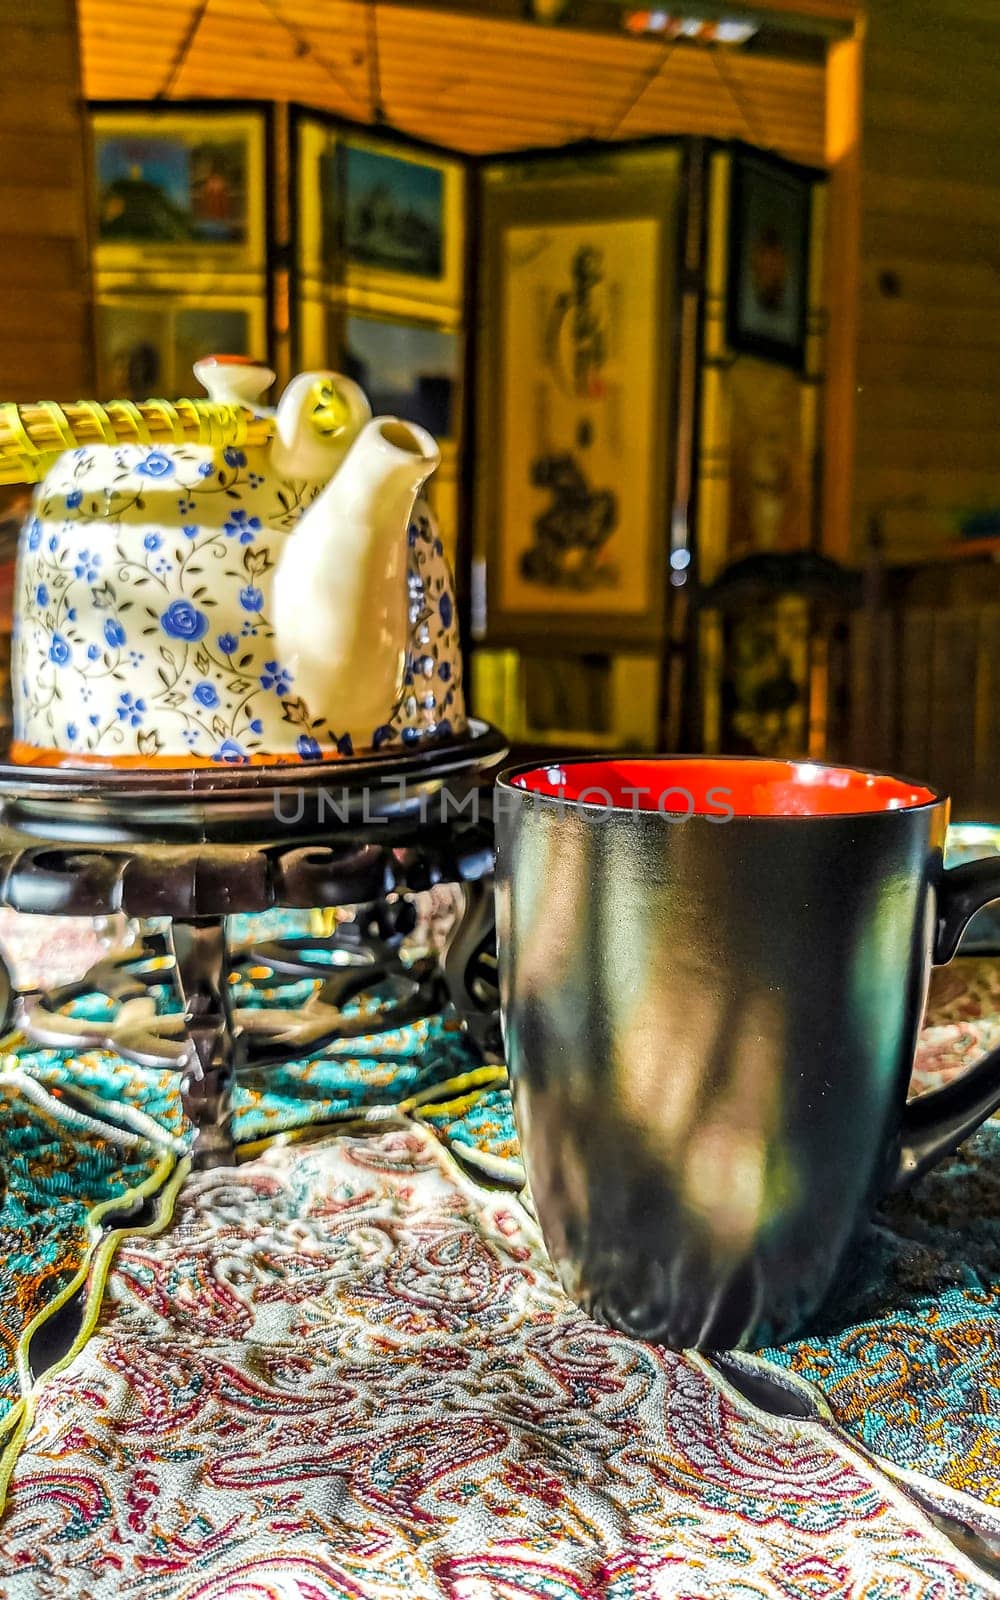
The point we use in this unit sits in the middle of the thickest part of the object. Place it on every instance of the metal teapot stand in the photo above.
(198, 845)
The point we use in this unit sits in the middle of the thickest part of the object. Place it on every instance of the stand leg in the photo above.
(8, 996)
(469, 964)
(202, 974)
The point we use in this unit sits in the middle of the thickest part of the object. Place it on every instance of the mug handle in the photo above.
(934, 1124)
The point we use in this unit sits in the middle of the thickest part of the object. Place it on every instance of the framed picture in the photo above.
(385, 212)
(770, 206)
(148, 347)
(179, 187)
(407, 369)
(379, 225)
(575, 388)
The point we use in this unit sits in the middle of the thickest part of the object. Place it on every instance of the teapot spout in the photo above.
(341, 604)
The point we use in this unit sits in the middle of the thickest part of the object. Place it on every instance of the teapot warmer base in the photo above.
(188, 850)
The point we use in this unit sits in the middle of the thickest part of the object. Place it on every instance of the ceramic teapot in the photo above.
(182, 602)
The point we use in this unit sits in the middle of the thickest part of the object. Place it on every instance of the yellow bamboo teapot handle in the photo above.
(32, 435)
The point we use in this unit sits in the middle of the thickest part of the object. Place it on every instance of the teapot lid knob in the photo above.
(233, 380)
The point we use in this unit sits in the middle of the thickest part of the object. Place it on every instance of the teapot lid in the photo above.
(234, 380)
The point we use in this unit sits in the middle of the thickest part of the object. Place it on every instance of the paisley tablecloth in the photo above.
(345, 1369)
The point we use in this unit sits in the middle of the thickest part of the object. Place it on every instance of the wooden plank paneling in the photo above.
(930, 484)
(50, 14)
(952, 706)
(987, 765)
(900, 405)
(36, 368)
(26, 105)
(957, 447)
(928, 366)
(53, 212)
(919, 282)
(934, 16)
(934, 322)
(68, 315)
(976, 201)
(39, 264)
(45, 331)
(941, 692)
(39, 53)
(161, 31)
(477, 84)
(907, 236)
(916, 642)
(952, 64)
(929, 338)
(47, 155)
(894, 111)
(946, 159)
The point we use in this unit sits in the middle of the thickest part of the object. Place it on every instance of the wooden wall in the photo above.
(45, 325)
(927, 655)
(928, 361)
(925, 680)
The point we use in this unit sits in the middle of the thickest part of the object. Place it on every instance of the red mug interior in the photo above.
(721, 788)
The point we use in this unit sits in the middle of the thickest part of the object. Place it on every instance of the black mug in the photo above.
(712, 976)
